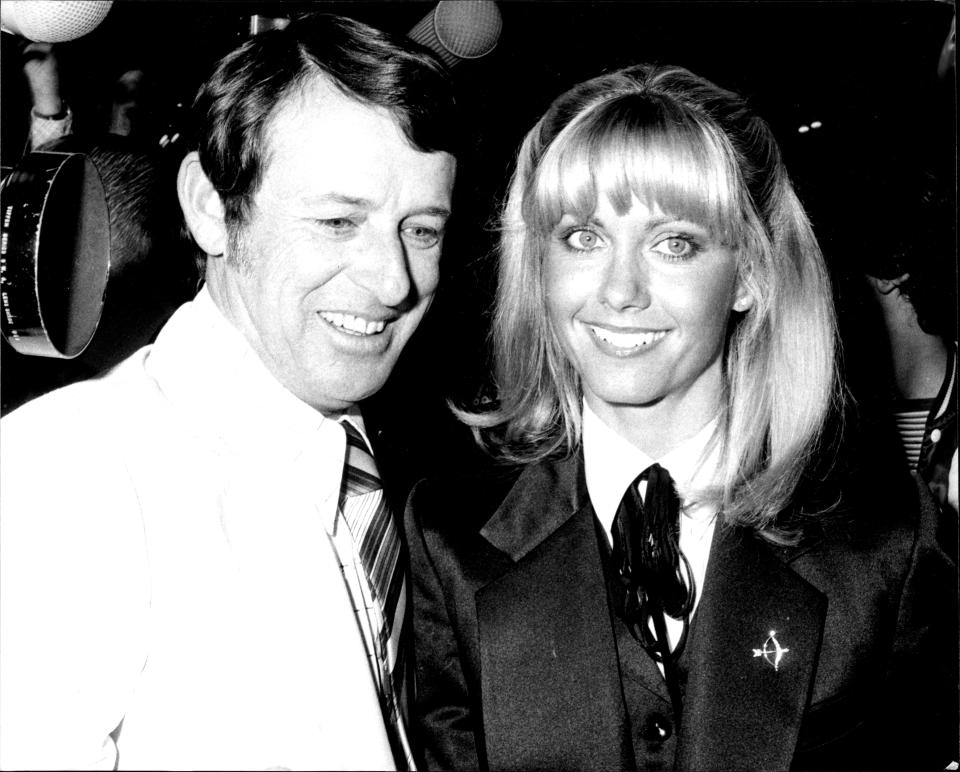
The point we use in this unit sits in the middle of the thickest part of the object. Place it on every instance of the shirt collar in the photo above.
(207, 367)
(353, 417)
(611, 463)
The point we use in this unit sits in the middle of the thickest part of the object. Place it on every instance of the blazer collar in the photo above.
(741, 708)
(544, 497)
(550, 683)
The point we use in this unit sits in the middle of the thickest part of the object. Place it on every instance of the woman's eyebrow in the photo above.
(576, 219)
(660, 221)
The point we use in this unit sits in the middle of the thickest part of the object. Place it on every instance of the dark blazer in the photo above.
(517, 666)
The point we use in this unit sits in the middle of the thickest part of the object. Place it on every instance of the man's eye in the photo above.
(582, 240)
(337, 224)
(421, 236)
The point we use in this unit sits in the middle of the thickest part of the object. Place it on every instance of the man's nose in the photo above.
(385, 271)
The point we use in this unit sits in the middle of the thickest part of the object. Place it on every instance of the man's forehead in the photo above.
(361, 175)
(323, 146)
(321, 100)
(319, 120)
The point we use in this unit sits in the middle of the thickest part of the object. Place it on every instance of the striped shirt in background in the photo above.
(911, 419)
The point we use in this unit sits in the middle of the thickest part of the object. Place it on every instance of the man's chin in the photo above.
(334, 399)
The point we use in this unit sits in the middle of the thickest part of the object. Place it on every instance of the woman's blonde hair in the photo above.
(677, 141)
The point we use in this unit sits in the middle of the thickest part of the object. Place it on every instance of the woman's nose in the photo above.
(626, 281)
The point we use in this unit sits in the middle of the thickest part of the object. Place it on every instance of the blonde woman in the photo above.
(662, 576)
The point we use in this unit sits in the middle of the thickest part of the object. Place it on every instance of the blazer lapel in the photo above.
(544, 497)
(549, 674)
(744, 701)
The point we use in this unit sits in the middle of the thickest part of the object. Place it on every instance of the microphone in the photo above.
(460, 29)
(948, 53)
(52, 21)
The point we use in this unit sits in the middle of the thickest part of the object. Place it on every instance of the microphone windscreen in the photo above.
(460, 29)
(52, 21)
(948, 53)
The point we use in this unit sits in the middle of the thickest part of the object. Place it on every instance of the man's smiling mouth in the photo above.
(354, 325)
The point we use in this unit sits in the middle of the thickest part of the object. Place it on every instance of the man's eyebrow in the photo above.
(366, 203)
(438, 211)
(340, 198)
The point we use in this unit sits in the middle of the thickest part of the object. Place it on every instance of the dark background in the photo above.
(866, 70)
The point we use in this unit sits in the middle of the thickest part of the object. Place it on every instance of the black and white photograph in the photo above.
(478, 385)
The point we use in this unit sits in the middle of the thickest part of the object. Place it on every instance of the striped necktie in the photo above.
(375, 571)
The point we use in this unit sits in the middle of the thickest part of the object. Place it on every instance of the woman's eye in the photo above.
(582, 240)
(675, 247)
(422, 236)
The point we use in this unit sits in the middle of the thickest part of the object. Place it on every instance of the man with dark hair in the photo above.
(201, 571)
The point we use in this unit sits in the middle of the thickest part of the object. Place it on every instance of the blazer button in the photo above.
(657, 728)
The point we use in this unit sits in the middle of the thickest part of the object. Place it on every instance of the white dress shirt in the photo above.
(166, 570)
(611, 463)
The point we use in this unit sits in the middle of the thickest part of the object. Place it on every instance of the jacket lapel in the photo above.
(544, 497)
(550, 679)
(744, 706)
(549, 674)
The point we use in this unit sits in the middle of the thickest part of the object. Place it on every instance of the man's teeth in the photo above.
(627, 339)
(353, 324)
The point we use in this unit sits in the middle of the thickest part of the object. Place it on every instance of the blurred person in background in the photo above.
(910, 268)
(153, 265)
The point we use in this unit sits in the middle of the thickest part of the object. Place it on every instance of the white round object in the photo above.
(52, 21)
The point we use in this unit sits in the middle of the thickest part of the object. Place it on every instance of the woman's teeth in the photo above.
(628, 339)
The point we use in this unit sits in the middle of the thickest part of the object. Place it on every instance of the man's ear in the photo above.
(202, 207)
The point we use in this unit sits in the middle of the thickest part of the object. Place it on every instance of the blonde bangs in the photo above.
(636, 146)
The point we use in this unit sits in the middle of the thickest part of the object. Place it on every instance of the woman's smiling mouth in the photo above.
(626, 342)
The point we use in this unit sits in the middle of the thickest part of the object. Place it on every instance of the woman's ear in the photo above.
(745, 291)
(202, 207)
(743, 300)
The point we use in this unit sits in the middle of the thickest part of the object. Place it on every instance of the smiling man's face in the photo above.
(338, 259)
